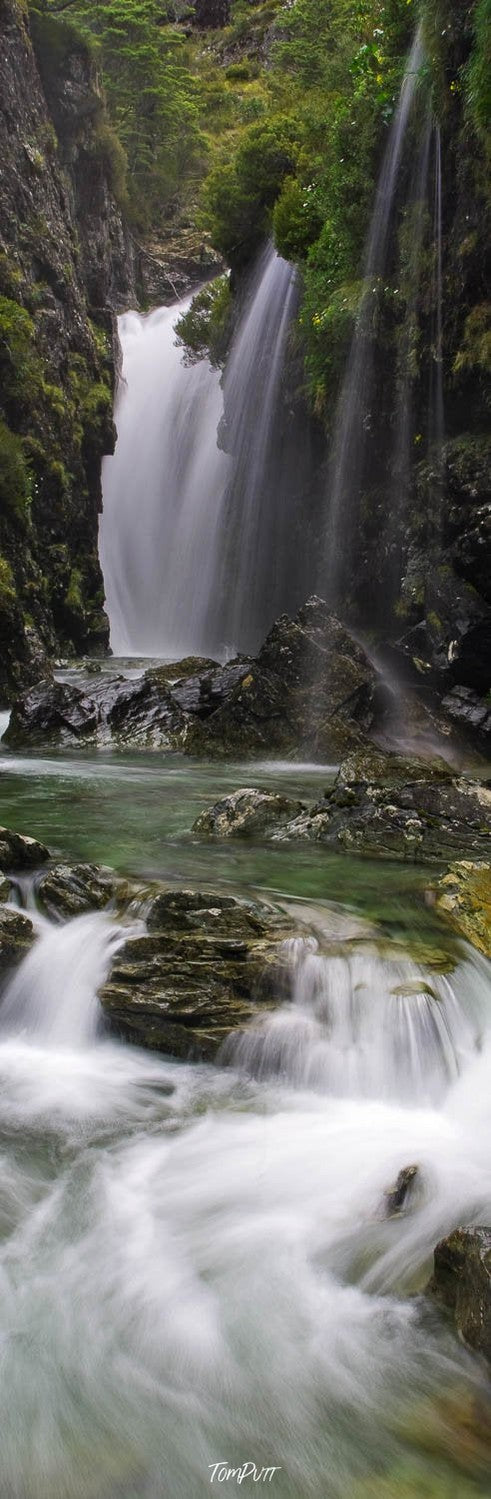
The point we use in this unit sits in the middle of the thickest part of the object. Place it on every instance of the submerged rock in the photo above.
(207, 964)
(395, 1199)
(19, 852)
(70, 889)
(461, 1280)
(247, 813)
(464, 898)
(16, 937)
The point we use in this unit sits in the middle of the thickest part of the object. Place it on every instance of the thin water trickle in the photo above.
(353, 419)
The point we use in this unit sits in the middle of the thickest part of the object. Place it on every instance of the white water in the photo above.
(353, 420)
(162, 493)
(195, 542)
(196, 1267)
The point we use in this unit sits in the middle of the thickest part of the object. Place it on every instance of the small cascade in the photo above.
(363, 1025)
(197, 538)
(354, 415)
(53, 996)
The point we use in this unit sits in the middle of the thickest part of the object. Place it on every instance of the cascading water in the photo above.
(162, 494)
(198, 545)
(354, 415)
(198, 1267)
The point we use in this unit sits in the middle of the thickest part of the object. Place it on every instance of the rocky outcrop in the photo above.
(248, 813)
(310, 687)
(16, 937)
(422, 821)
(65, 263)
(19, 852)
(461, 1281)
(208, 965)
(464, 899)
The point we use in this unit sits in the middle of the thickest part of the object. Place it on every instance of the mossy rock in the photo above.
(464, 899)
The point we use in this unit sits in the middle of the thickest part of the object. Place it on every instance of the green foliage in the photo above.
(15, 484)
(297, 220)
(204, 329)
(240, 194)
(7, 585)
(16, 341)
(478, 79)
(151, 94)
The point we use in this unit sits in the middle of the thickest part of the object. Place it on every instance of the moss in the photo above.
(106, 148)
(15, 481)
(73, 597)
(7, 586)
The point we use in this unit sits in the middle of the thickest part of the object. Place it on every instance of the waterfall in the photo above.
(436, 413)
(162, 493)
(364, 1025)
(256, 532)
(197, 540)
(354, 416)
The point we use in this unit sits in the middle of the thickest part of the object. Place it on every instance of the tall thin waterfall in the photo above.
(256, 537)
(354, 417)
(436, 413)
(196, 539)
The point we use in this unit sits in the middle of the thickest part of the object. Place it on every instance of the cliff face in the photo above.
(66, 265)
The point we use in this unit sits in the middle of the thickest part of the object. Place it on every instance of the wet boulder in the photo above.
(19, 852)
(469, 712)
(203, 694)
(70, 889)
(16, 937)
(398, 1197)
(463, 897)
(461, 1281)
(206, 966)
(247, 813)
(53, 713)
(423, 821)
(310, 688)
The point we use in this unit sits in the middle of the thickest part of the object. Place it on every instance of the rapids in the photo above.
(196, 1263)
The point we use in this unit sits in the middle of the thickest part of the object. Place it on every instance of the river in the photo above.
(196, 1263)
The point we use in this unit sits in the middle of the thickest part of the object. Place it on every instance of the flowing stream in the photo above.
(198, 1264)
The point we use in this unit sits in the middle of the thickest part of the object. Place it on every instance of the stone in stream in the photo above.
(461, 1281)
(70, 889)
(19, 852)
(423, 821)
(208, 965)
(463, 897)
(16, 937)
(247, 813)
(395, 1199)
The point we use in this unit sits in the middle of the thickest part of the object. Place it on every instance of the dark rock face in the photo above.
(468, 711)
(205, 968)
(310, 686)
(422, 821)
(210, 15)
(65, 262)
(462, 1282)
(248, 813)
(18, 852)
(16, 937)
(70, 889)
